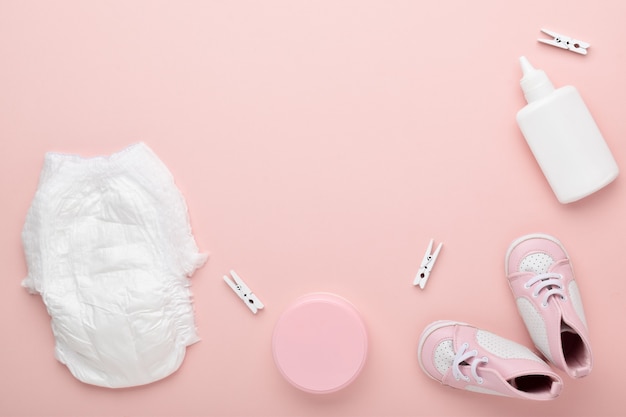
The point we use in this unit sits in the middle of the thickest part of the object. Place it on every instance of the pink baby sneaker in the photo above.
(462, 356)
(541, 277)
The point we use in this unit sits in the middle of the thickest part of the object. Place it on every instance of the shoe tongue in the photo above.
(565, 328)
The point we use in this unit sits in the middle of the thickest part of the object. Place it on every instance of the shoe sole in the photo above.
(427, 331)
(528, 237)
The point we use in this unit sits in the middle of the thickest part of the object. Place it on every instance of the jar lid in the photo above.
(320, 343)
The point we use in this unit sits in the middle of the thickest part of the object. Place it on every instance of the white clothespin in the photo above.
(241, 289)
(427, 265)
(565, 42)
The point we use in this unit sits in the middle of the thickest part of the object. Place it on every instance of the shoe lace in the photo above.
(462, 357)
(550, 281)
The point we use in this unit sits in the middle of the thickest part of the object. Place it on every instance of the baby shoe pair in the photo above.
(541, 278)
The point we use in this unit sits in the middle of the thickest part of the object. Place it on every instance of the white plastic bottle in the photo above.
(563, 137)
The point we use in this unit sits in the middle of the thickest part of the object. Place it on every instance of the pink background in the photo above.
(319, 146)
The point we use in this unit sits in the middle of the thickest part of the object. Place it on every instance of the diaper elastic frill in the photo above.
(109, 247)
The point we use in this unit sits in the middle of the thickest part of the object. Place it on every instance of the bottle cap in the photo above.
(535, 83)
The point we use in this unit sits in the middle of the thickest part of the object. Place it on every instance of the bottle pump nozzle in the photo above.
(535, 83)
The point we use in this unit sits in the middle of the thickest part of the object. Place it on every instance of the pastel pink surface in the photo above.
(320, 343)
(319, 146)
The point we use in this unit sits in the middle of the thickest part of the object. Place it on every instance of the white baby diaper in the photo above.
(109, 247)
